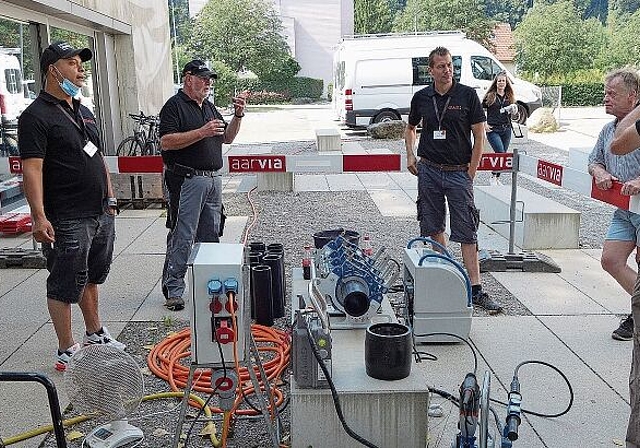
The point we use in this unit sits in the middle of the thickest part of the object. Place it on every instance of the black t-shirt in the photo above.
(74, 184)
(462, 110)
(495, 118)
(182, 114)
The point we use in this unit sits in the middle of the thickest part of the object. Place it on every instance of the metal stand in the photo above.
(52, 395)
(274, 433)
(495, 261)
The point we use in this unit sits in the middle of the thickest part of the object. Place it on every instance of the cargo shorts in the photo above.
(434, 185)
(81, 254)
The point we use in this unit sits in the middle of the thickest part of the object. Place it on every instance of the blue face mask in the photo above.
(67, 86)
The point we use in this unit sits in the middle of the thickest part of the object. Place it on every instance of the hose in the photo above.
(164, 361)
(83, 418)
(426, 239)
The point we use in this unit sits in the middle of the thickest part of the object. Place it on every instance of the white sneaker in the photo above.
(493, 181)
(103, 337)
(498, 181)
(65, 356)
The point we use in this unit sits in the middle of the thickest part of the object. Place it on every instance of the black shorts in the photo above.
(81, 254)
(434, 185)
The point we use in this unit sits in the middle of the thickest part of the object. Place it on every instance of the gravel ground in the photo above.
(291, 218)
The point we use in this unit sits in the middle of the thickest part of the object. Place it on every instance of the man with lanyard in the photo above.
(67, 185)
(447, 161)
(626, 140)
(192, 132)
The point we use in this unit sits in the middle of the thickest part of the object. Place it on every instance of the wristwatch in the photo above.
(113, 203)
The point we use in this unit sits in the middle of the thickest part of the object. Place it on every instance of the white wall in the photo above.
(318, 26)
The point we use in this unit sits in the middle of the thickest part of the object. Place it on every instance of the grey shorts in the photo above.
(434, 186)
(81, 254)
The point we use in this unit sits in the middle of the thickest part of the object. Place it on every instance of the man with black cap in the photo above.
(192, 132)
(67, 185)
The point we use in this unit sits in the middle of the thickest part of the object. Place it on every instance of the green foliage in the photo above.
(372, 16)
(624, 6)
(179, 11)
(554, 39)
(582, 94)
(224, 88)
(510, 11)
(623, 46)
(428, 15)
(244, 34)
(298, 87)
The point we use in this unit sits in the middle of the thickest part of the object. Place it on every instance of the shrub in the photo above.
(265, 97)
(297, 87)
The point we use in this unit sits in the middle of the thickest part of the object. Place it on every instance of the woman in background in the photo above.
(499, 101)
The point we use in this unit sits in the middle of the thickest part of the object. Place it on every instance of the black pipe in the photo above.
(254, 258)
(276, 263)
(262, 294)
(52, 394)
(257, 246)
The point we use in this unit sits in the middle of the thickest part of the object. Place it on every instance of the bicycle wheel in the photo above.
(9, 145)
(151, 148)
(130, 146)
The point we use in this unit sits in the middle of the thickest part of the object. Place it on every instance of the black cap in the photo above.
(199, 68)
(62, 50)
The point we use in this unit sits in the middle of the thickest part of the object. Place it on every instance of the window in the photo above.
(13, 80)
(484, 68)
(421, 75)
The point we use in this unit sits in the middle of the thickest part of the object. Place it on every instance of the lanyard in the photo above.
(82, 128)
(444, 111)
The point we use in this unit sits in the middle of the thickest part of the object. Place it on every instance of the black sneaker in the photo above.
(174, 303)
(625, 331)
(484, 301)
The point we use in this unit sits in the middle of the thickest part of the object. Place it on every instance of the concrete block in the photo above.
(123, 186)
(328, 139)
(390, 414)
(544, 223)
(275, 181)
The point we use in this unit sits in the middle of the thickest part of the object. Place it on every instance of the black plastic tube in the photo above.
(254, 259)
(262, 295)
(257, 246)
(276, 263)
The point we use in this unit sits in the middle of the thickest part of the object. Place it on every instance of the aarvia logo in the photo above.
(496, 162)
(550, 172)
(257, 164)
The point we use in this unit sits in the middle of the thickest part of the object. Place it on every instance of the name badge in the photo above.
(440, 135)
(90, 148)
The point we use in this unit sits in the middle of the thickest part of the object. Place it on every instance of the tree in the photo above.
(429, 15)
(554, 39)
(624, 6)
(623, 46)
(244, 34)
(372, 16)
(510, 11)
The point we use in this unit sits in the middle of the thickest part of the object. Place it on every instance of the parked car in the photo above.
(375, 76)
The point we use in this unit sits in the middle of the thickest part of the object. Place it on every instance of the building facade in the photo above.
(313, 29)
(132, 68)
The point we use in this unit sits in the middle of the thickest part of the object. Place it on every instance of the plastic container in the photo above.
(320, 239)
(387, 351)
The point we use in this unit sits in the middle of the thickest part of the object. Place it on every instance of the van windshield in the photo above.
(13, 80)
(421, 75)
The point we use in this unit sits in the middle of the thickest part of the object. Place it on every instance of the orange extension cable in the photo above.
(273, 344)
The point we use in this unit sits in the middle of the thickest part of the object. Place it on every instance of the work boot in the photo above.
(483, 300)
(174, 303)
(625, 331)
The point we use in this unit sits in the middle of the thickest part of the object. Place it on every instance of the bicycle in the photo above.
(9, 139)
(145, 140)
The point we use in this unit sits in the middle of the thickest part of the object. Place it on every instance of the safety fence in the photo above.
(331, 163)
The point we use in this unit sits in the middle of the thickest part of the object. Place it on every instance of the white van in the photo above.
(12, 100)
(375, 76)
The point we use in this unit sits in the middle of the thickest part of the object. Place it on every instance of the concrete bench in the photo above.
(545, 224)
(328, 139)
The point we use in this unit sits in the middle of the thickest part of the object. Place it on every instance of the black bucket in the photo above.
(387, 351)
(320, 239)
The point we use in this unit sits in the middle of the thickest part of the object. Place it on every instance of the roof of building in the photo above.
(502, 42)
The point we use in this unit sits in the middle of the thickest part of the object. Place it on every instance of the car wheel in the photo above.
(386, 115)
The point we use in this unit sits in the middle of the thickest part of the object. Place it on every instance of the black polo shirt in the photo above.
(182, 114)
(462, 111)
(74, 184)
